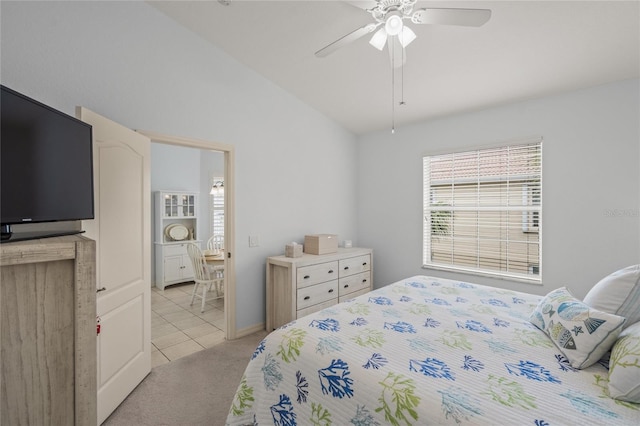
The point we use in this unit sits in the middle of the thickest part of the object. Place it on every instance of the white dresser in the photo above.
(298, 286)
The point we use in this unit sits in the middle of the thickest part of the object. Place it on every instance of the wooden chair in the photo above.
(215, 244)
(203, 276)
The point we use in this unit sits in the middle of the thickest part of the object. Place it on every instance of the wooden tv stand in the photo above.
(48, 332)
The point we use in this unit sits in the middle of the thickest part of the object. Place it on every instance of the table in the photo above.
(215, 260)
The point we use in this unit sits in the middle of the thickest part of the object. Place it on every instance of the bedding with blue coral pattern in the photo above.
(423, 351)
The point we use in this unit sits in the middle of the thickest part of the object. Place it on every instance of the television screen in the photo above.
(46, 162)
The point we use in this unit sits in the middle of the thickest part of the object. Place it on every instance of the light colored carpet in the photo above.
(195, 390)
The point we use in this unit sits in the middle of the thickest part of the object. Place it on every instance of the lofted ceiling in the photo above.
(528, 49)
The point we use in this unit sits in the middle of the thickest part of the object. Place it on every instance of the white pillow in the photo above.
(581, 333)
(624, 366)
(618, 294)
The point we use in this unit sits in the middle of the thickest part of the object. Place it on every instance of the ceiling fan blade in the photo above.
(349, 38)
(363, 4)
(465, 17)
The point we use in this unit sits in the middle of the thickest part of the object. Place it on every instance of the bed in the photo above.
(423, 351)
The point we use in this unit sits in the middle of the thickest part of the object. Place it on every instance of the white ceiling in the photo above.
(528, 49)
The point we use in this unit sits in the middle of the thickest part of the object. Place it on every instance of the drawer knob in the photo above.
(364, 280)
(306, 277)
(331, 290)
(346, 267)
(307, 297)
(346, 286)
(364, 263)
(331, 271)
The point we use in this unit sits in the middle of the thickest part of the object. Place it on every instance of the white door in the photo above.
(121, 230)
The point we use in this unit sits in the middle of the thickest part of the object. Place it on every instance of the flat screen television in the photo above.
(46, 166)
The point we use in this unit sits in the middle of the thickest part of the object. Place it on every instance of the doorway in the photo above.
(179, 329)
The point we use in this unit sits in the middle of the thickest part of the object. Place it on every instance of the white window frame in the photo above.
(530, 208)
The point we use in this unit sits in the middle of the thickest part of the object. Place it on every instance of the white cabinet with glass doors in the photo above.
(175, 227)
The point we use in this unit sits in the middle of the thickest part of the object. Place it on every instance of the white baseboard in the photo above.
(249, 330)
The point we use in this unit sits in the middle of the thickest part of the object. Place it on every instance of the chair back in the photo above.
(215, 243)
(200, 270)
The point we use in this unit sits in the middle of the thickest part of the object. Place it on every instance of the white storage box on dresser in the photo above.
(302, 285)
(320, 243)
(175, 227)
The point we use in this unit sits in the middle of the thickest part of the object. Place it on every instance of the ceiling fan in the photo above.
(390, 16)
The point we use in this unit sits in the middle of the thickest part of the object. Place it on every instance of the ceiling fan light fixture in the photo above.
(406, 36)
(393, 25)
(379, 39)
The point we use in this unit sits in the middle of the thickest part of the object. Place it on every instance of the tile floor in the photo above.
(178, 329)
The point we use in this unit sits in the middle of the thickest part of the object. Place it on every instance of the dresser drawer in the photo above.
(175, 250)
(354, 283)
(314, 274)
(349, 296)
(315, 308)
(318, 293)
(354, 265)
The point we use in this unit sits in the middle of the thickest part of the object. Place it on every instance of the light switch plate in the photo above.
(254, 241)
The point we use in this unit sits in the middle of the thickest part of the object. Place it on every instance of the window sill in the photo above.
(503, 276)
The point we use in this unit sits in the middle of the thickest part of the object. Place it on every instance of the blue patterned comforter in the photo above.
(422, 351)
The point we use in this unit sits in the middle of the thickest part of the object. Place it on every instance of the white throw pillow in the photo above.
(618, 294)
(581, 333)
(624, 366)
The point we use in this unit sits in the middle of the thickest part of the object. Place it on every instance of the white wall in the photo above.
(128, 62)
(590, 168)
(175, 168)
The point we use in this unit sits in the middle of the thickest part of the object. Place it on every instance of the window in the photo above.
(482, 211)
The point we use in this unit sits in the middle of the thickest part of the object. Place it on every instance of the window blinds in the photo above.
(217, 211)
(482, 210)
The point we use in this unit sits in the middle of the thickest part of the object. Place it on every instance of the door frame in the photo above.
(229, 216)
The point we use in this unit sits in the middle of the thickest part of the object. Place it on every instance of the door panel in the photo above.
(121, 229)
(123, 317)
(122, 251)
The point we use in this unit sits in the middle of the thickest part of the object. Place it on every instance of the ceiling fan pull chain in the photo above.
(402, 78)
(393, 89)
